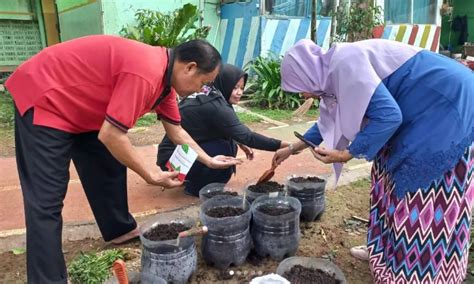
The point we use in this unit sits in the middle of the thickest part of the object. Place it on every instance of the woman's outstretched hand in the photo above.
(223, 162)
(331, 156)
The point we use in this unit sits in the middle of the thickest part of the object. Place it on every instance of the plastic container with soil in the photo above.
(276, 226)
(269, 188)
(310, 270)
(215, 189)
(310, 191)
(228, 240)
(162, 255)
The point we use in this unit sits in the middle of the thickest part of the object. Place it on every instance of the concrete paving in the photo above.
(145, 200)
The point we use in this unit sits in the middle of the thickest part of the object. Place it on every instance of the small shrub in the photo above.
(356, 21)
(266, 85)
(147, 120)
(166, 29)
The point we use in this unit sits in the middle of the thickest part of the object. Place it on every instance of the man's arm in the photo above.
(119, 145)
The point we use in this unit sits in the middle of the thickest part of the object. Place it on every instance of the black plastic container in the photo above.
(212, 188)
(228, 240)
(312, 263)
(276, 236)
(252, 195)
(167, 259)
(311, 194)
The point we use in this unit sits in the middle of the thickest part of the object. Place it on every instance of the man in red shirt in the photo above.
(76, 101)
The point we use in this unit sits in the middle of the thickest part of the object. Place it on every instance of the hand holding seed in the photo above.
(223, 162)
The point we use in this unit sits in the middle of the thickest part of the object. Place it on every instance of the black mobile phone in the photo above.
(306, 141)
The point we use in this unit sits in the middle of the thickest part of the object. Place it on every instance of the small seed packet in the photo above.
(182, 160)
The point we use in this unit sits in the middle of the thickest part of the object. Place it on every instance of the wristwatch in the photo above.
(292, 149)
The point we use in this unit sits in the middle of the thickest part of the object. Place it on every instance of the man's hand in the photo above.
(165, 179)
(331, 156)
(248, 152)
(223, 162)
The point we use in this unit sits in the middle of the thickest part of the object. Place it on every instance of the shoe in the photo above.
(360, 252)
(126, 238)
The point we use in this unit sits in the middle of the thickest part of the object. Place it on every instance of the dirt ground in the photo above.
(330, 237)
(142, 136)
(7, 141)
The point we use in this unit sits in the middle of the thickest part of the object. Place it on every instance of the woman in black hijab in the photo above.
(212, 122)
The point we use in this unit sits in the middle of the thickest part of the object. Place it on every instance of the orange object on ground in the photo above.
(120, 271)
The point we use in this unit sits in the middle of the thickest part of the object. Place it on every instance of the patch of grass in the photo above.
(7, 110)
(146, 120)
(313, 112)
(246, 117)
(93, 267)
(284, 114)
(362, 183)
(275, 114)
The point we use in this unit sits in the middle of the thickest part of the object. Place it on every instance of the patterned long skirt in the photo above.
(424, 236)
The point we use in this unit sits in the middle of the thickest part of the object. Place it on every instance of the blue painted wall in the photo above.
(245, 34)
(240, 32)
(241, 9)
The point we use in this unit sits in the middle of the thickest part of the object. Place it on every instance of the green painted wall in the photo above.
(9, 7)
(117, 13)
(461, 8)
(212, 17)
(79, 18)
(68, 4)
(20, 34)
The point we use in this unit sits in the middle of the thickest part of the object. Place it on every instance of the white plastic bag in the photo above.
(270, 279)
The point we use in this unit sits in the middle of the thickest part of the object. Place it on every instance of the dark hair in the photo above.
(200, 51)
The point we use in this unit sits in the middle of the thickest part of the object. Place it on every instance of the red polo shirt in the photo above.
(76, 85)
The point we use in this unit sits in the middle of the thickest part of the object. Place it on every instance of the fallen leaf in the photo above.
(18, 251)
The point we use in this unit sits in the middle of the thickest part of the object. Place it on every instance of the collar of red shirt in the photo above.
(169, 70)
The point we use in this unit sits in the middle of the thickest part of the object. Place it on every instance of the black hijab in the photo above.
(227, 78)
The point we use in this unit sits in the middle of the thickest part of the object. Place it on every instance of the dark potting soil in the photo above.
(165, 232)
(225, 211)
(254, 259)
(275, 210)
(215, 193)
(300, 275)
(308, 179)
(266, 187)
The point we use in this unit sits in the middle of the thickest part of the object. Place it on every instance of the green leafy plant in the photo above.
(266, 85)
(356, 21)
(88, 268)
(148, 119)
(166, 29)
(18, 251)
